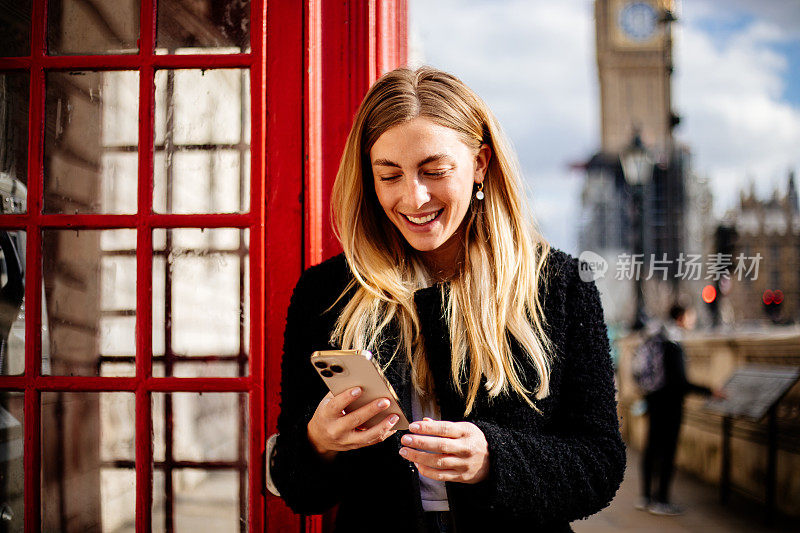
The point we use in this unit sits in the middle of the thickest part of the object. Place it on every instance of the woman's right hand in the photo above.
(330, 430)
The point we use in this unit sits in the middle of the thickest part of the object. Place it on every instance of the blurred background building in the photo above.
(640, 195)
(770, 227)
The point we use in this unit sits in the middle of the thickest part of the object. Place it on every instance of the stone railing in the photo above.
(710, 360)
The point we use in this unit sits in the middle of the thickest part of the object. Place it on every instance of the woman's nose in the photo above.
(417, 193)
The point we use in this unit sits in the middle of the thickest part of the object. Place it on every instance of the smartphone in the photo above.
(343, 369)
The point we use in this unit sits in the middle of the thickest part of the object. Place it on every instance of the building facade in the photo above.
(769, 228)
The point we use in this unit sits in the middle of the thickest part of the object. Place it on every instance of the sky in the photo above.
(736, 87)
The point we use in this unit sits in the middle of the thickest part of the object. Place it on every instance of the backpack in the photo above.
(648, 364)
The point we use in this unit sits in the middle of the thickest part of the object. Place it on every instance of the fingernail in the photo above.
(403, 452)
(383, 403)
(356, 391)
(414, 427)
(393, 419)
(406, 440)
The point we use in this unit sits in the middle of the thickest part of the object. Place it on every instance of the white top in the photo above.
(432, 492)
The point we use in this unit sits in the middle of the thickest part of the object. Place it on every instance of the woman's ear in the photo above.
(482, 162)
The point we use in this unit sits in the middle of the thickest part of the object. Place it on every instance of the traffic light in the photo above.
(772, 300)
(709, 296)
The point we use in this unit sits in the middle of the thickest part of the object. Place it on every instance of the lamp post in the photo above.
(637, 168)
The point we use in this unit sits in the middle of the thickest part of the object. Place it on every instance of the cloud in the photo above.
(782, 14)
(729, 93)
(533, 64)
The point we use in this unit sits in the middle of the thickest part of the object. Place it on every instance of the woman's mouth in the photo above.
(425, 219)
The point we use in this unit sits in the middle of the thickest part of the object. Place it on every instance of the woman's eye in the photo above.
(436, 173)
(389, 178)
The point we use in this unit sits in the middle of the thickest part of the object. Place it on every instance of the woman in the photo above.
(491, 340)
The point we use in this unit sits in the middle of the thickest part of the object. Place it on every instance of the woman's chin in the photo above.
(423, 247)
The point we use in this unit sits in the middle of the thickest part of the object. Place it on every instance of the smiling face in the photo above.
(424, 176)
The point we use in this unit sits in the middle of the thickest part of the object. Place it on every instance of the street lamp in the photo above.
(637, 168)
(637, 165)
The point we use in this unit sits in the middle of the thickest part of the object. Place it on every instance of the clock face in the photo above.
(638, 21)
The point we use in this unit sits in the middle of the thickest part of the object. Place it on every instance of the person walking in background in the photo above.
(665, 409)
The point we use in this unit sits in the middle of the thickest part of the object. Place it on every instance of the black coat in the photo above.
(676, 384)
(546, 470)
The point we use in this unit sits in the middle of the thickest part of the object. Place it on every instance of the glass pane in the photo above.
(81, 27)
(201, 428)
(117, 423)
(118, 493)
(12, 301)
(91, 142)
(203, 500)
(14, 91)
(200, 297)
(88, 481)
(115, 369)
(204, 426)
(202, 149)
(157, 516)
(15, 19)
(90, 289)
(228, 367)
(203, 27)
(12, 475)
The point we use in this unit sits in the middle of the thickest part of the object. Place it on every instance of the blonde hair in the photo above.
(494, 299)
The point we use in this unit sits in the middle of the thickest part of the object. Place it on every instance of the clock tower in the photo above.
(639, 190)
(634, 63)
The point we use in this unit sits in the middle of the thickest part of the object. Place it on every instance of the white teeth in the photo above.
(423, 220)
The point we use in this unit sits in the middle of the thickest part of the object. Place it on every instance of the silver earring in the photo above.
(479, 195)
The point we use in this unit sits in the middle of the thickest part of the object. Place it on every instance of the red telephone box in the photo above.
(165, 169)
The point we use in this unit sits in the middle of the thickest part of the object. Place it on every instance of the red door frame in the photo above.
(309, 61)
(283, 121)
(361, 40)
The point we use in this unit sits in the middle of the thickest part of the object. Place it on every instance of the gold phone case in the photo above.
(343, 369)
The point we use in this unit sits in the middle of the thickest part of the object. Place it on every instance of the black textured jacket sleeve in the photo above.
(303, 478)
(574, 467)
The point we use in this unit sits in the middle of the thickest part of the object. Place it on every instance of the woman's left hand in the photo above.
(447, 451)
